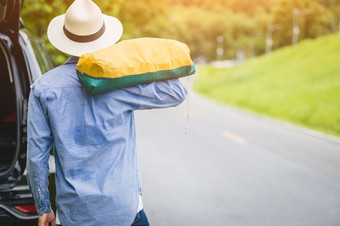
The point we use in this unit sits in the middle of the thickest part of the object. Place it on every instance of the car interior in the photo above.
(8, 122)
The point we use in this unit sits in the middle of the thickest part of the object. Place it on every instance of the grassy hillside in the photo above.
(297, 84)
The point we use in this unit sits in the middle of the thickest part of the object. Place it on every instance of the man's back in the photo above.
(93, 137)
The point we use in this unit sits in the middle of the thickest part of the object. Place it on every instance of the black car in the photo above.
(23, 59)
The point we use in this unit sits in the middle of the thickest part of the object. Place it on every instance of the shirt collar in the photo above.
(72, 60)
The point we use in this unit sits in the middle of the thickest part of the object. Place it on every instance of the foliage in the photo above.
(37, 14)
(316, 22)
(297, 84)
(199, 22)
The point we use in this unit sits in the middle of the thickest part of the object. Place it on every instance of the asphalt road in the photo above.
(235, 168)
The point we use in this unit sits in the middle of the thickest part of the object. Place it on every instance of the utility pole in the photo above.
(219, 49)
(339, 22)
(252, 44)
(296, 29)
(269, 37)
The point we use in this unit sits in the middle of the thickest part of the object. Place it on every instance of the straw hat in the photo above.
(83, 29)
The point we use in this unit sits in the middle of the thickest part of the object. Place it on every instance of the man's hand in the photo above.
(47, 218)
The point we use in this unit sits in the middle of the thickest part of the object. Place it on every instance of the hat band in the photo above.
(84, 38)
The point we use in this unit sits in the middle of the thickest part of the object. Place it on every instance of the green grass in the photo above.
(297, 84)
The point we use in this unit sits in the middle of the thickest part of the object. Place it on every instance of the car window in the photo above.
(37, 58)
(41, 55)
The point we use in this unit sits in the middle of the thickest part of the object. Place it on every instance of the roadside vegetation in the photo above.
(199, 23)
(298, 84)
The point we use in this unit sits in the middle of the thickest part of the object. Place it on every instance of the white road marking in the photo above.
(234, 137)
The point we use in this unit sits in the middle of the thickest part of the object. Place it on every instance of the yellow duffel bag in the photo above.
(134, 62)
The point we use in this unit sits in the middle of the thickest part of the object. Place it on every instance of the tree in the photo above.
(334, 6)
(199, 22)
(316, 22)
(37, 14)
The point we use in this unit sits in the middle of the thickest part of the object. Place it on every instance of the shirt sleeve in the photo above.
(39, 145)
(160, 94)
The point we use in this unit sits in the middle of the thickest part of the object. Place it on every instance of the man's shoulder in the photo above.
(59, 77)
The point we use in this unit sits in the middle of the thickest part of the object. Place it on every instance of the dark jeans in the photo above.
(140, 220)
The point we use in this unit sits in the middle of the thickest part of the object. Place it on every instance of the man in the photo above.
(92, 136)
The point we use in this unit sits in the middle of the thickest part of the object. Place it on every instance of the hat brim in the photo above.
(56, 35)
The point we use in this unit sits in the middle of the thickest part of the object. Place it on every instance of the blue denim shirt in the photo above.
(94, 143)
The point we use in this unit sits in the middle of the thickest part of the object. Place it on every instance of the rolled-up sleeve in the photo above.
(39, 145)
(161, 94)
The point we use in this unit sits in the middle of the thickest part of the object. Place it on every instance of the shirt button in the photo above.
(41, 208)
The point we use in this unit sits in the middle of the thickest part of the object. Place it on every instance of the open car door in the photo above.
(10, 94)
